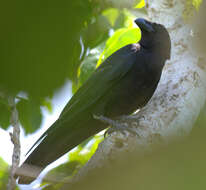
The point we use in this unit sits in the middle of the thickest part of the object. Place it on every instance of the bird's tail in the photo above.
(55, 144)
(27, 173)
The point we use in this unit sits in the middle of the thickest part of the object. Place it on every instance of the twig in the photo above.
(15, 138)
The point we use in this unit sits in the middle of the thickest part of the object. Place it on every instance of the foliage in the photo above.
(119, 39)
(190, 7)
(124, 33)
(4, 174)
(4, 114)
(196, 3)
(86, 69)
(43, 43)
(140, 4)
(53, 42)
(29, 115)
(40, 48)
(40, 51)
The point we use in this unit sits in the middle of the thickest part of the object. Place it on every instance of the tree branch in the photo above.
(15, 138)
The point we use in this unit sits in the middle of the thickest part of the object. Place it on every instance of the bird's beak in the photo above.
(144, 25)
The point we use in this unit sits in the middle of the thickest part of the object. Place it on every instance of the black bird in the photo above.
(124, 82)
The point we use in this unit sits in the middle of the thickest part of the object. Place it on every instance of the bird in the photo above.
(123, 83)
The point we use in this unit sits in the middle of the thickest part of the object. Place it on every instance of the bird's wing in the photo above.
(105, 76)
(101, 81)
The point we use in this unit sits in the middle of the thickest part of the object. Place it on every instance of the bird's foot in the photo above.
(119, 127)
(127, 117)
(115, 125)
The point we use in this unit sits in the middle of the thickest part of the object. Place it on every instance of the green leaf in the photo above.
(120, 21)
(4, 101)
(190, 7)
(60, 173)
(120, 38)
(196, 3)
(4, 174)
(3, 168)
(85, 142)
(87, 67)
(85, 70)
(30, 115)
(78, 157)
(48, 105)
(5, 115)
(96, 32)
(111, 14)
(82, 155)
(41, 50)
(140, 4)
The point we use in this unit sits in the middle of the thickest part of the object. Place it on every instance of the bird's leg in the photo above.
(115, 125)
(135, 118)
(127, 117)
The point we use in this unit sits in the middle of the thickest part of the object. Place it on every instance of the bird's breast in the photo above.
(131, 93)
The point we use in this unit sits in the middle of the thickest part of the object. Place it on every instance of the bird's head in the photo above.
(154, 36)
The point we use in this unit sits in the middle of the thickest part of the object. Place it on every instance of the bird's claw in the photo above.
(115, 126)
(122, 128)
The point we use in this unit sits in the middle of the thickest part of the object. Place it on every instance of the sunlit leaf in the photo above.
(129, 19)
(196, 3)
(4, 168)
(140, 4)
(120, 38)
(190, 7)
(3, 174)
(84, 143)
(81, 154)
